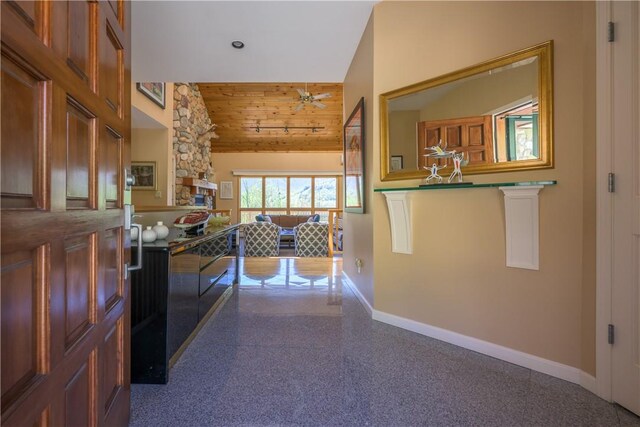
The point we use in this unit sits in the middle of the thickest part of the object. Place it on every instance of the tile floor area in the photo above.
(293, 346)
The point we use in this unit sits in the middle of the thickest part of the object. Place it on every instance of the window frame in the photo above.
(288, 209)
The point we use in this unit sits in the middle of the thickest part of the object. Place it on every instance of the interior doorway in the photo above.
(618, 303)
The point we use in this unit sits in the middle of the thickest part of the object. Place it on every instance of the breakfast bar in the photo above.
(183, 281)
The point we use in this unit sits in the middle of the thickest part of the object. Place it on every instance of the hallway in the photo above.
(293, 346)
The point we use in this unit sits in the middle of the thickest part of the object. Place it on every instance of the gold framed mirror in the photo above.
(498, 113)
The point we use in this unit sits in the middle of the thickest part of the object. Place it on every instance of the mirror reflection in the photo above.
(497, 115)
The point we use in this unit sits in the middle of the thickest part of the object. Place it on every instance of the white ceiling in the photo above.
(140, 120)
(285, 41)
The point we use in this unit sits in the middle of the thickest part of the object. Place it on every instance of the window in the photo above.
(275, 192)
(251, 193)
(516, 133)
(287, 195)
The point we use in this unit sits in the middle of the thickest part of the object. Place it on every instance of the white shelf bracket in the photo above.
(400, 220)
(522, 226)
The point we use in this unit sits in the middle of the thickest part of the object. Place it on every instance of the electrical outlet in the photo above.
(158, 194)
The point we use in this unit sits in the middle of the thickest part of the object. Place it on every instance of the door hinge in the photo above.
(611, 337)
(611, 32)
(126, 270)
(611, 182)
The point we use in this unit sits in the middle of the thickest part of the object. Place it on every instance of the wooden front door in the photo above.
(468, 135)
(65, 142)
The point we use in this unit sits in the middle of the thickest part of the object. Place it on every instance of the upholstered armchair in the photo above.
(261, 239)
(311, 239)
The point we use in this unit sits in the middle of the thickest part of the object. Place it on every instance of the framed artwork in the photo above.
(153, 91)
(354, 160)
(145, 174)
(396, 163)
(226, 190)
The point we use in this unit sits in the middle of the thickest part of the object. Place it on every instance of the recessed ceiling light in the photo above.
(237, 44)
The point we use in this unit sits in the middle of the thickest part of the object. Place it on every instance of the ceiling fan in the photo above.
(307, 98)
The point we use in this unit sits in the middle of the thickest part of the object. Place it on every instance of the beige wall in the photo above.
(403, 137)
(358, 228)
(149, 145)
(490, 94)
(225, 163)
(153, 141)
(456, 278)
(589, 196)
(153, 110)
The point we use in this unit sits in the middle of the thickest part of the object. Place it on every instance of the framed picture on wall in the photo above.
(396, 163)
(145, 174)
(354, 160)
(226, 190)
(153, 91)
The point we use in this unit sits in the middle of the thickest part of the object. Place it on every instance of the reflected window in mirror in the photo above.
(498, 114)
(516, 133)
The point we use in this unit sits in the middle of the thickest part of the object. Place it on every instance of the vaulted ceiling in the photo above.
(190, 41)
(238, 108)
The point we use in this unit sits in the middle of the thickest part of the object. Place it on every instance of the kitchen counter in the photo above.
(183, 280)
(177, 240)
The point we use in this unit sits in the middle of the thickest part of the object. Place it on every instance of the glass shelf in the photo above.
(466, 185)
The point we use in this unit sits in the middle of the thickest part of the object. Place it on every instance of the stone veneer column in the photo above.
(192, 134)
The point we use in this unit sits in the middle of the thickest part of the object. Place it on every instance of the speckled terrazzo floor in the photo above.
(294, 347)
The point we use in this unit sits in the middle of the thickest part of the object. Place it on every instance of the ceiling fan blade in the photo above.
(322, 96)
(300, 91)
(318, 104)
(299, 107)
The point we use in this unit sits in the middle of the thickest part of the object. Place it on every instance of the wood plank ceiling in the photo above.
(237, 108)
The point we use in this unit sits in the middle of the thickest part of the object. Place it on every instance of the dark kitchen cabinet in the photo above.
(179, 285)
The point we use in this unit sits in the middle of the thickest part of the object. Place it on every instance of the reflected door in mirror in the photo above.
(470, 136)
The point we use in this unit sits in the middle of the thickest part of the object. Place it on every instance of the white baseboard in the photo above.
(549, 367)
(589, 382)
(354, 288)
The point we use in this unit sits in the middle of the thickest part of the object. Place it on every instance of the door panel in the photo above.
(28, 12)
(111, 155)
(19, 308)
(625, 283)
(80, 149)
(111, 68)
(79, 289)
(22, 135)
(64, 300)
(78, 21)
(112, 367)
(78, 396)
(110, 257)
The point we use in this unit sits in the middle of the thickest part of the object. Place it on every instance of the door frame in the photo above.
(604, 200)
(604, 219)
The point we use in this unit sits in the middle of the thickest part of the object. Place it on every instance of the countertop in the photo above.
(177, 242)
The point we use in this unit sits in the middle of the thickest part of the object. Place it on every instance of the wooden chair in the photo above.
(335, 231)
